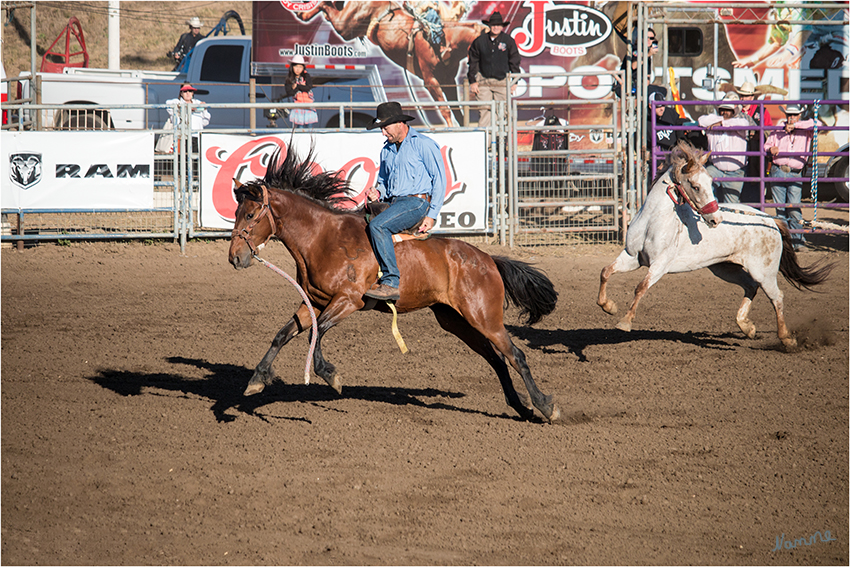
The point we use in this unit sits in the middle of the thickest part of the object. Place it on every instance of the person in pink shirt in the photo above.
(784, 147)
(722, 142)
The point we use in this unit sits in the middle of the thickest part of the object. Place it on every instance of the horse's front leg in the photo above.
(653, 275)
(263, 374)
(426, 66)
(307, 15)
(623, 263)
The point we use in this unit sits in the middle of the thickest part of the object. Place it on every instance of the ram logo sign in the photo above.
(25, 169)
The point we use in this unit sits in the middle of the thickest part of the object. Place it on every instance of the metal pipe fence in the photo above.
(175, 213)
(819, 172)
(576, 180)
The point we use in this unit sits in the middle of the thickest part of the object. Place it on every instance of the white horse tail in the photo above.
(797, 275)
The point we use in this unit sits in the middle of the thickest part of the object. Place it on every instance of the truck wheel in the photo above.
(840, 169)
(84, 120)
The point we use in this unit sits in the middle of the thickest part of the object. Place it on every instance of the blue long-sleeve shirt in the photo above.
(413, 168)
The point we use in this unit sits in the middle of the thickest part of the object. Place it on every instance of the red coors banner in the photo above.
(354, 156)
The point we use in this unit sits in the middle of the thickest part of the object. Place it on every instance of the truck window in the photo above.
(685, 42)
(222, 64)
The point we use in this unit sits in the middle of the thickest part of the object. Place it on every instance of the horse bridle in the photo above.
(675, 189)
(245, 233)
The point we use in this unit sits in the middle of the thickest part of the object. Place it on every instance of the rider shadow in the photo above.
(224, 387)
(577, 340)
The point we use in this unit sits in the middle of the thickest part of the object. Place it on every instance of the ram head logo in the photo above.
(25, 170)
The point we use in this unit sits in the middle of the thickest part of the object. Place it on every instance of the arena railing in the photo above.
(824, 169)
(176, 188)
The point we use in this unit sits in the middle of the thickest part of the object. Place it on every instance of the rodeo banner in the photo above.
(419, 50)
(354, 155)
(77, 170)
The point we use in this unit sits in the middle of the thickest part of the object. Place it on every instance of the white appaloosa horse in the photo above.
(747, 248)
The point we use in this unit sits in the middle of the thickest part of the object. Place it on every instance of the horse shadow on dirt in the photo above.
(225, 383)
(577, 340)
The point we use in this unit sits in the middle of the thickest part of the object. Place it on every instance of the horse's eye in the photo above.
(250, 216)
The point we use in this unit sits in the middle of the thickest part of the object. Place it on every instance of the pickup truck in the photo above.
(219, 67)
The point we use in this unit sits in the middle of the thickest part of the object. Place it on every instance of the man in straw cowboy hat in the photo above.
(749, 92)
(412, 179)
(492, 55)
(188, 40)
(730, 142)
(784, 147)
(758, 115)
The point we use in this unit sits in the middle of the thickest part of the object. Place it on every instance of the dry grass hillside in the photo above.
(148, 30)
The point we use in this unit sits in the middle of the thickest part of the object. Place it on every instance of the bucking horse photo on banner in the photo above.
(423, 38)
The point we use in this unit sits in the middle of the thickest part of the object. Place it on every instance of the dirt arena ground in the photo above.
(126, 439)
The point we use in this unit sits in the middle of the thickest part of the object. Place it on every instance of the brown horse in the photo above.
(464, 287)
(396, 32)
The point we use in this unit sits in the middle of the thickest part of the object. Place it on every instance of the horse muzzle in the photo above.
(711, 214)
(240, 256)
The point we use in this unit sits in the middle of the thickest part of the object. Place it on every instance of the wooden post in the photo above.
(466, 98)
(20, 243)
(252, 98)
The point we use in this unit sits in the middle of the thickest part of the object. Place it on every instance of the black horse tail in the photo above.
(797, 275)
(527, 288)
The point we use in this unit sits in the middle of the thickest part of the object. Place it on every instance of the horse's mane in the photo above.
(683, 154)
(292, 174)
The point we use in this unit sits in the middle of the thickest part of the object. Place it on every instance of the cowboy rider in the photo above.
(412, 179)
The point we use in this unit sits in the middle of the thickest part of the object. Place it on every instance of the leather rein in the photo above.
(680, 197)
(245, 233)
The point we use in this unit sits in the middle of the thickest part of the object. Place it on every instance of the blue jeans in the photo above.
(790, 191)
(726, 191)
(401, 215)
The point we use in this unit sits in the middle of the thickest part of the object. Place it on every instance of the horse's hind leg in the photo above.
(623, 263)
(771, 289)
(451, 321)
(652, 276)
(488, 322)
(733, 273)
(263, 374)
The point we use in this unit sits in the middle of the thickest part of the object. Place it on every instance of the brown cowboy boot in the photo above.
(382, 292)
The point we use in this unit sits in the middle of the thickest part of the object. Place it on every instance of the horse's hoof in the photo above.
(525, 401)
(609, 307)
(625, 325)
(789, 343)
(748, 328)
(555, 415)
(335, 383)
(254, 388)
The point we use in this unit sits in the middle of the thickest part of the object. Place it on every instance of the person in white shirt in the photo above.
(200, 115)
(727, 141)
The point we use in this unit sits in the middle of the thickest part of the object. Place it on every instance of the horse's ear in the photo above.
(704, 158)
(237, 183)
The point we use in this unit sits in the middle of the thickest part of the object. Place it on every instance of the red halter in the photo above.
(678, 196)
(245, 233)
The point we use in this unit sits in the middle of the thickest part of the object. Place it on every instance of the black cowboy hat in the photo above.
(388, 113)
(496, 20)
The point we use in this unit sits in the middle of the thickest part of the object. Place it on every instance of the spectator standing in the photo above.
(726, 141)
(492, 55)
(748, 93)
(200, 115)
(785, 147)
(665, 139)
(299, 86)
(630, 60)
(188, 40)
(412, 179)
